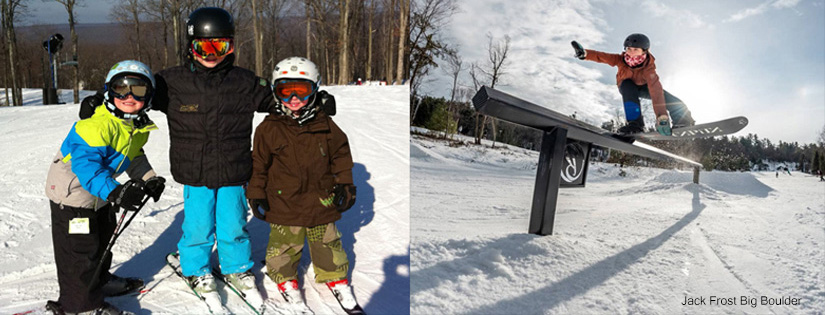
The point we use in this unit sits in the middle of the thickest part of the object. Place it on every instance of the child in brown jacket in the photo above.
(302, 180)
(637, 78)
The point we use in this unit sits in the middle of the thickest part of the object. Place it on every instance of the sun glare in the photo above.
(700, 89)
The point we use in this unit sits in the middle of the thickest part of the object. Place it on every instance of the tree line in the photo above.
(347, 39)
(726, 153)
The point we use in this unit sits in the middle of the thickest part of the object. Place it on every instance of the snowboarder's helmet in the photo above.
(638, 41)
(295, 70)
(129, 68)
(210, 22)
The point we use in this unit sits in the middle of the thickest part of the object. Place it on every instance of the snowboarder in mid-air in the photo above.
(637, 79)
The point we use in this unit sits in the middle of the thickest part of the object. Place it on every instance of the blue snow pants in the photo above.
(209, 213)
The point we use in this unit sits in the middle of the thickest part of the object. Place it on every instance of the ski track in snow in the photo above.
(375, 231)
(634, 244)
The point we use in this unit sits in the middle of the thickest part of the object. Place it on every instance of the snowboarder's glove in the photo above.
(663, 125)
(255, 203)
(327, 102)
(89, 103)
(128, 196)
(580, 53)
(344, 196)
(154, 187)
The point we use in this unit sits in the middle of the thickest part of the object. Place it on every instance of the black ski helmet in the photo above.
(638, 41)
(210, 22)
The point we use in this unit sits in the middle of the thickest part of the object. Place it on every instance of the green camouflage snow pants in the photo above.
(286, 243)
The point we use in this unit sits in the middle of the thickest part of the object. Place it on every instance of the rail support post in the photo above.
(548, 177)
(696, 175)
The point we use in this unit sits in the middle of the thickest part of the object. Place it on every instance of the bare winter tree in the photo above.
(343, 41)
(475, 75)
(127, 12)
(70, 7)
(257, 32)
(10, 11)
(454, 67)
(427, 18)
(497, 58)
(403, 53)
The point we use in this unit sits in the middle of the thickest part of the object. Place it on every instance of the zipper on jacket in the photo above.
(322, 149)
(128, 147)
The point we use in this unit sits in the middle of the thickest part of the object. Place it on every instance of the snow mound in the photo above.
(729, 182)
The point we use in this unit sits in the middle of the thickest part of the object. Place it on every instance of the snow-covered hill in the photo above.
(639, 243)
(375, 231)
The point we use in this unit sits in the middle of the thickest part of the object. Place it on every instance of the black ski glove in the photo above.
(344, 196)
(128, 196)
(255, 203)
(327, 102)
(154, 187)
(580, 53)
(89, 103)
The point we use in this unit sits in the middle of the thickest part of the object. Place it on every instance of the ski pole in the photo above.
(115, 235)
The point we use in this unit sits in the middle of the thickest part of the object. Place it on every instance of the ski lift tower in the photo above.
(52, 45)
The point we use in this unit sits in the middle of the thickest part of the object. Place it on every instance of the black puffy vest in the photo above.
(209, 112)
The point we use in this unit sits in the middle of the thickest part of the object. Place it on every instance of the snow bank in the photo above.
(639, 243)
(375, 231)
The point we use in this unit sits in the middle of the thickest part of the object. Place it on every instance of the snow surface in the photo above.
(375, 231)
(635, 244)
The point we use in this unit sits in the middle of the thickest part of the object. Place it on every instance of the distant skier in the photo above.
(821, 179)
(637, 78)
(302, 179)
(84, 194)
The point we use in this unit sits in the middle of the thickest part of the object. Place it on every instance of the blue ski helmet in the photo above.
(124, 68)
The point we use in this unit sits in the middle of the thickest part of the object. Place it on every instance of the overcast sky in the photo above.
(761, 59)
(51, 12)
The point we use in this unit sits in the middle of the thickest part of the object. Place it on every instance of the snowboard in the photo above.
(711, 129)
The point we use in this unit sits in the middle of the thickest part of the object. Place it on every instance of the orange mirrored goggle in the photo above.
(285, 89)
(218, 47)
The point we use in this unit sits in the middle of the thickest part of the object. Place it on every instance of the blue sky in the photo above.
(761, 59)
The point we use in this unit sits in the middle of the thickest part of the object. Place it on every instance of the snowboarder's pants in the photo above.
(631, 94)
(283, 253)
(211, 212)
(77, 255)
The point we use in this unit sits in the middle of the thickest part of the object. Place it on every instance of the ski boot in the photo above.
(105, 309)
(633, 126)
(118, 286)
(685, 121)
(295, 303)
(343, 293)
(244, 284)
(207, 288)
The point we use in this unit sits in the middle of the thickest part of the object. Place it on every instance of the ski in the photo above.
(246, 299)
(215, 307)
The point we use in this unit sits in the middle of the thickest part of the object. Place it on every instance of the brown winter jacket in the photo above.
(295, 167)
(641, 75)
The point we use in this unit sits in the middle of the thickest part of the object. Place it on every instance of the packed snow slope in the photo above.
(375, 232)
(640, 243)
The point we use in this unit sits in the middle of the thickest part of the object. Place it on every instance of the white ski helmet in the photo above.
(296, 68)
(128, 67)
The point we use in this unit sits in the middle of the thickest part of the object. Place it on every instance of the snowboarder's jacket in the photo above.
(210, 115)
(296, 166)
(97, 150)
(644, 74)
